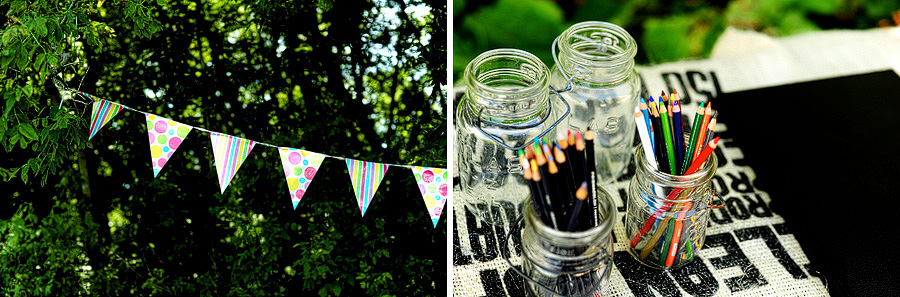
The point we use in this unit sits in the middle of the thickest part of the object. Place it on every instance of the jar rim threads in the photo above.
(529, 78)
(573, 42)
(590, 46)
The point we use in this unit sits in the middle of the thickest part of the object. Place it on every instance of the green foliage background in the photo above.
(665, 30)
(362, 79)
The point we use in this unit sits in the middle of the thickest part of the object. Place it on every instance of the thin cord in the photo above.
(94, 98)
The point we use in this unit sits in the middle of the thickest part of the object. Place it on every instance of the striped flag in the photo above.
(433, 186)
(230, 152)
(366, 176)
(103, 112)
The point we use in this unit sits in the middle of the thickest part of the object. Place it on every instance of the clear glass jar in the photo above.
(662, 208)
(568, 263)
(510, 89)
(598, 57)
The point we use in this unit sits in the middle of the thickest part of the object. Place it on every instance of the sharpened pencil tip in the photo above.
(582, 192)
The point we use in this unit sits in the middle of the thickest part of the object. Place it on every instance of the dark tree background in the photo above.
(360, 79)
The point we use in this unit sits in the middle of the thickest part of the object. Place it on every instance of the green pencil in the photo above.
(665, 243)
(667, 136)
(695, 129)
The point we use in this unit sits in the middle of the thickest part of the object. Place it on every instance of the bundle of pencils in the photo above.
(662, 133)
(561, 178)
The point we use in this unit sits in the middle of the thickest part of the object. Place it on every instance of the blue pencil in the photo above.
(679, 133)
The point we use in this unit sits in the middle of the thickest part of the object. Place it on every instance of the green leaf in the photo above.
(28, 131)
(28, 90)
(13, 140)
(40, 26)
(11, 98)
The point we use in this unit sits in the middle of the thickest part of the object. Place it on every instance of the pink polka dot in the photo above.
(428, 176)
(294, 158)
(174, 142)
(299, 194)
(161, 127)
(309, 173)
(443, 190)
(422, 189)
(161, 162)
(152, 137)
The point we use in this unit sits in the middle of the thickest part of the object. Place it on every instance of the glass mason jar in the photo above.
(598, 58)
(509, 89)
(666, 215)
(568, 263)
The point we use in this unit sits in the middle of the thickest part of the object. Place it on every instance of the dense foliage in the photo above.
(665, 30)
(362, 79)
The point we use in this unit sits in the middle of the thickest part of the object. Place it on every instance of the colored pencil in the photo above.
(678, 139)
(701, 135)
(667, 137)
(659, 144)
(645, 139)
(676, 235)
(591, 172)
(675, 192)
(711, 128)
(580, 195)
(695, 129)
(646, 111)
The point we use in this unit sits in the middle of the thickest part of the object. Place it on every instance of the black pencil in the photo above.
(591, 166)
(580, 195)
(544, 172)
(659, 145)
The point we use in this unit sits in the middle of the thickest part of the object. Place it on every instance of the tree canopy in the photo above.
(359, 79)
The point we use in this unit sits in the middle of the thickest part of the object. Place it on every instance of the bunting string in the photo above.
(299, 166)
(122, 106)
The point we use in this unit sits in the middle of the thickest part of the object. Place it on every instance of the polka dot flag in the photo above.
(433, 186)
(103, 112)
(300, 167)
(230, 152)
(365, 176)
(165, 137)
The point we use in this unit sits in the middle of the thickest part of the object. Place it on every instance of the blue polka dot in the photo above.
(171, 132)
(437, 179)
(437, 197)
(302, 180)
(166, 149)
(305, 162)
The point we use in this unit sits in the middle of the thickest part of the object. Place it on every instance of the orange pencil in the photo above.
(701, 141)
(676, 236)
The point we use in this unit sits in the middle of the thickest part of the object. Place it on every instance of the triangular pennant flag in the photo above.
(299, 169)
(366, 176)
(165, 137)
(103, 112)
(433, 186)
(230, 152)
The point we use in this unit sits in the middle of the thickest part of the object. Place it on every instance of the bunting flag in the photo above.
(433, 186)
(300, 167)
(230, 152)
(165, 137)
(103, 112)
(366, 176)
